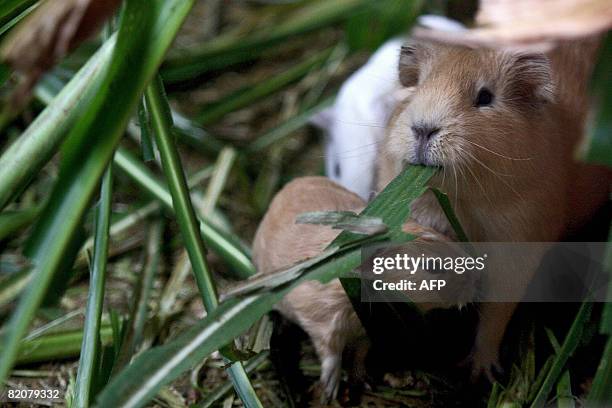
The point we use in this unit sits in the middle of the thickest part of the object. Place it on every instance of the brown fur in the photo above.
(508, 167)
(323, 310)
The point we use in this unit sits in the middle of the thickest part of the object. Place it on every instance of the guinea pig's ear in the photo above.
(324, 119)
(534, 72)
(408, 65)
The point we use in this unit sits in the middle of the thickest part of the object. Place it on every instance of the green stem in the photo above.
(161, 121)
(57, 346)
(90, 347)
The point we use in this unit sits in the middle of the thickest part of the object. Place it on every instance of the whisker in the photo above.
(456, 186)
(364, 124)
(496, 153)
(496, 175)
(485, 166)
(443, 169)
(479, 184)
(374, 148)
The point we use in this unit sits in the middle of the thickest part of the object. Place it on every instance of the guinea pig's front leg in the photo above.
(505, 282)
(340, 336)
(340, 329)
(494, 318)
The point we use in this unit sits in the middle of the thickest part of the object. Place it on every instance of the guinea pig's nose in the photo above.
(424, 131)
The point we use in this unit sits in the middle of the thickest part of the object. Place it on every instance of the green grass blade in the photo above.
(118, 326)
(146, 140)
(138, 315)
(12, 286)
(601, 389)
(225, 246)
(606, 318)
(9, 9)
(181, 202)
(598, 143)
(28, 154)
(196, 137)
(537, 383)
(169, 296)
(90, 348)
(57, 346)
(227, 50)
(13, 221)
(221, 172)
(565, 399)
(226, 387)
(146, 30)
(386, 19)
(248, 95)
(404, 189)
(450, 214)
(286, 128)
(553, 340)
(494, 396)
(243, 386)
(567, 349)
(53, 325)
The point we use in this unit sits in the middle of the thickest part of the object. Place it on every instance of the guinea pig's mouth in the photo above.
(422, 155)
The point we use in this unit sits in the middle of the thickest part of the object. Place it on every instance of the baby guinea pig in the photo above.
(502, 126)
(323, 310)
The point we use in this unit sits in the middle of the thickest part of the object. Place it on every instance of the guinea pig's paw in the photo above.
(485, 362)
(352, 394)
(330, 378)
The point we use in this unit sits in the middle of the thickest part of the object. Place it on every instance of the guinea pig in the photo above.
(323, 310)
(355, 123)
(502, 126)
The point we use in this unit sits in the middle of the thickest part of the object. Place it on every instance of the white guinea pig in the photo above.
(355, 124)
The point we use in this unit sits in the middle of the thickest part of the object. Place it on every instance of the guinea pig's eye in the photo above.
(484, 98)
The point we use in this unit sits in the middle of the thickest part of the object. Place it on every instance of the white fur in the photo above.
(441, 23)
(355, 124)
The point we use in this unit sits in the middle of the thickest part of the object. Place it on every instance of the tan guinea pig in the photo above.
(323, 310)
(503, 127)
